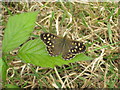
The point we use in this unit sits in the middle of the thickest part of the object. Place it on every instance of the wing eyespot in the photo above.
(79, 44)
(75, 50)
(52, 46)
(44, 38)
(72, 50)
(48, 35)
(76, 47)
(49, 39)
(69, 50)
(43, 35)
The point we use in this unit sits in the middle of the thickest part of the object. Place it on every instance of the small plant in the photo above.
(17, 32)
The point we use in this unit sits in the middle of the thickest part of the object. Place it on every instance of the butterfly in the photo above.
(57, 45)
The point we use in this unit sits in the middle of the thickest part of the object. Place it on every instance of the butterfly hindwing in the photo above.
(77, 47)
(72, 48)
(52, 43)
(68, 56)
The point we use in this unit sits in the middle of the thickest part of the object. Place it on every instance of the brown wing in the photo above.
(53, 43)
(71, 48)
(68, 56)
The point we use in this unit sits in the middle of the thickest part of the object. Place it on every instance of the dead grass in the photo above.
(96, 24)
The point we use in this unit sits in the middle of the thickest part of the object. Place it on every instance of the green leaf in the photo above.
(12, 86)
(3, 69)
(18, 30)
(34, 52)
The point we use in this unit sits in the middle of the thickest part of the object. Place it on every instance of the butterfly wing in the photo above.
(68, 56)
(53, 43)
(71, 48)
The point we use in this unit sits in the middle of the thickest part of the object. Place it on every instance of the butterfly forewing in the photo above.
(53, 43)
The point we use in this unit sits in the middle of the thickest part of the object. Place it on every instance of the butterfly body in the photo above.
(62, 45)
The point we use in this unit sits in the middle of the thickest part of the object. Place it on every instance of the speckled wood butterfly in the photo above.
(61, 45)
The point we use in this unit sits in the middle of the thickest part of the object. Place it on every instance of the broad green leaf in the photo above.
(34, 52)
(18, 30)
